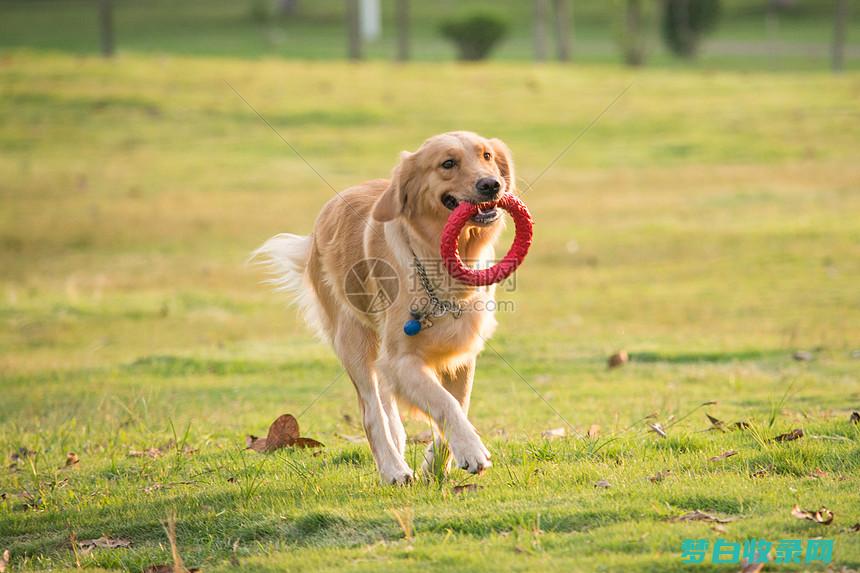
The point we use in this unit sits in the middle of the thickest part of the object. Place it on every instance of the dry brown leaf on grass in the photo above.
(855, 528)
(466, 488)
(697, 515)
(818, 473)
(620, 358)
(795, 434)
(803, 356)
(657, 428)
(284, 432)
(823, 516)
(719, 528)
(762, 472)
(602, 483)
(553, 433)
(659, 476)
(723, 456)
(72, 460)
(103, 542)
(716, 423)
(4, 560)
(153, 453)
(593, 431)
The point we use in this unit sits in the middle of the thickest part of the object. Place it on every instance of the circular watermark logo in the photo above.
(371, 285)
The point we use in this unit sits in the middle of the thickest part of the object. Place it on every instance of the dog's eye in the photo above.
(487, 156)
(448, 164)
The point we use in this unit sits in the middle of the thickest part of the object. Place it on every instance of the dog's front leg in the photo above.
(418, 383)
(458, 382)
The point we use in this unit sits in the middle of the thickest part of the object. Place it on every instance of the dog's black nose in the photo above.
(488, 186)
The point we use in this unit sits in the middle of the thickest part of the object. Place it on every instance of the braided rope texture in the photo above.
(501, 270)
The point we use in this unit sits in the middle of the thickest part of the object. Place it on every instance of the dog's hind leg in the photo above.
(353, 345)
(392, 412)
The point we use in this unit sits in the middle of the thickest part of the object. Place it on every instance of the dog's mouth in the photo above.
(486, 214)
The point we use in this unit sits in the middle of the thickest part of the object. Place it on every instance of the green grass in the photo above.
(799, 39)
(708, 224)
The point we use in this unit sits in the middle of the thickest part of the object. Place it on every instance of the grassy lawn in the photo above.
(708, 223)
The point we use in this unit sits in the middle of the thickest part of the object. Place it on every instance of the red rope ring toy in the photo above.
(501, 270)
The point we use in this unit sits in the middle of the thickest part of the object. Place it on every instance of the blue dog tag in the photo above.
(412, 327)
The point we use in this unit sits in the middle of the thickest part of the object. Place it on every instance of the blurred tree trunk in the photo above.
(540, 30)
(353, 24)
(634, 48)
(841, 15)
(287, 7)
(562, 29)
(106, 27)
(402, 30)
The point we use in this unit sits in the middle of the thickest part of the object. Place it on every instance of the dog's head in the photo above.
(446, 170)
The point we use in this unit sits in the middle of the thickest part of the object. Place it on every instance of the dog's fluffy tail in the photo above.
(285, 256)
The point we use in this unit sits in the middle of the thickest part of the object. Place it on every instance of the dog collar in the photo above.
(422, 317)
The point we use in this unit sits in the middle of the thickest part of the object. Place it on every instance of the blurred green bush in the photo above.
(475, 34)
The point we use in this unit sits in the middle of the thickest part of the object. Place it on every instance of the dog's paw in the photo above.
(397, 476)
(474, 457)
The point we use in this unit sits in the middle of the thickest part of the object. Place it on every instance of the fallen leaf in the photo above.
(303, 442)
(795, 434)
(153, 453)
(153, 488)
(554, 433)
(656, 427)
(719, 528)
(659, 476)
(283, 432)
(620, 358)
(702, 516)
(823, 516)
(4, 560)
(855, 417)
(716, 424)
(761, 472)
(803, 356)
(466, 488)
(818, 473)
(72, 459)
(855, 528)
(102, 542)
(602, 483)
(593, 431)
(723, 456)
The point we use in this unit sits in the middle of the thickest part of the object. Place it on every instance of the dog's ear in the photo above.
(392, 202)
(505, 163)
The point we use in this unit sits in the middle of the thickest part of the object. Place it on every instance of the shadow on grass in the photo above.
(707, 357)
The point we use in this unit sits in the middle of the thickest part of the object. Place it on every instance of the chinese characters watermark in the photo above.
(785, 551)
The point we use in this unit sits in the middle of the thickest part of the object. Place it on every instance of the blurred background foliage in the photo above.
(769, 34)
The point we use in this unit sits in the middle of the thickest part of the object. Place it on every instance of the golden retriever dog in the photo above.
(356, 278)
